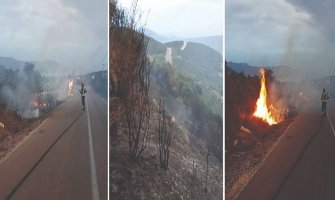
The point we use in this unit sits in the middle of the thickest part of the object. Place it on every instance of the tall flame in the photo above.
(262, 110)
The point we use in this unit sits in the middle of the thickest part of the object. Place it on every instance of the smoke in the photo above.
(184, 45)
(73, 32)
(168, 56)
(289, 98)
(27, 92)
(295, 33)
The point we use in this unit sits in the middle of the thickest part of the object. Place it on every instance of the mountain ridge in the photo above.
(281, 72)
(213, 41)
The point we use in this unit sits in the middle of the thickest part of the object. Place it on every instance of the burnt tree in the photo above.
(137, 107)
(165, 130)
(130, 74)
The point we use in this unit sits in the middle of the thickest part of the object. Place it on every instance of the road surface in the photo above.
(302, 165)
(57, 161)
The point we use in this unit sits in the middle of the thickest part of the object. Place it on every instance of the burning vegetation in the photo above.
(27, 92)
(45, 101)
(267, 113)
(258, 110)
(24, 96)
(255, 103)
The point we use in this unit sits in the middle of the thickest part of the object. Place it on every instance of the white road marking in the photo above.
(280, 138)
(331, 124)
(94, 181)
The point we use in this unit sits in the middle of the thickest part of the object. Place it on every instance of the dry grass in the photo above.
(15, 130)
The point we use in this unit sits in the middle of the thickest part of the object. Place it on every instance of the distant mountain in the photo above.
(11, 63)
(47, 67)
(159, 37)
(214, 42)
(281, 72)
(247, 69)
(229, 70)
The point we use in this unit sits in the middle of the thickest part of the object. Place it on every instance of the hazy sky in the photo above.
(71, 32)
(182, 18)
(291, 32)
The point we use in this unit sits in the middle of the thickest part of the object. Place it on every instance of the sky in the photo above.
(282, 32)
(181, 18)
(71, 32)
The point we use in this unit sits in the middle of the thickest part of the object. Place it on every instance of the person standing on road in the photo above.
(324, 99)
(83, 92)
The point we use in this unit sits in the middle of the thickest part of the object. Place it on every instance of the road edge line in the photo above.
(331, 124)
(279, 139)
(94, 181)
(29, 135)
(17, 186)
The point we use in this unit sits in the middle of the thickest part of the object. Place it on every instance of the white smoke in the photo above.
(168, 55)
(184, 45)
(20, 90)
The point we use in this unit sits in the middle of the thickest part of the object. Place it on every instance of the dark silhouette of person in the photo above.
(83, 91)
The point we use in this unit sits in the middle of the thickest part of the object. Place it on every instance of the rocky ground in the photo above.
(185, 178)
(242, 165)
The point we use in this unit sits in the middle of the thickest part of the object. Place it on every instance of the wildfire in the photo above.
(40, 105)
(70, 87)
(262, 110)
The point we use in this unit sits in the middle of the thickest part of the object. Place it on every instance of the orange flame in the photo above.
(262, 110)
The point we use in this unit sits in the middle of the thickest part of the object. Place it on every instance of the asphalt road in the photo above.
(57, 161)
(302, 165)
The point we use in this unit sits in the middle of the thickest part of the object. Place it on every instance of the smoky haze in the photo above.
(25, 90)
(70, 32)
(181, 18)
(293, 32)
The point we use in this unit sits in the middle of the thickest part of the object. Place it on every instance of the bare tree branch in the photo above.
(165, 129)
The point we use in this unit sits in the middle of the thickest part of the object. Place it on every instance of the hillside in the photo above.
(11, 63)
(190, 67)
(185, 178)
(185, 108)
(281, 72)
(45, 67)
(214, 42)
(198, 60)
(189, 82)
